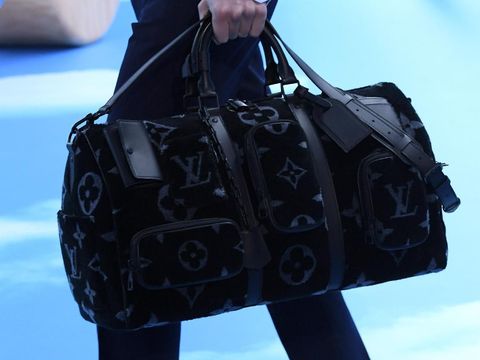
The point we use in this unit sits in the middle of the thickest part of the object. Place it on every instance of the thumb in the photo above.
(202, 9)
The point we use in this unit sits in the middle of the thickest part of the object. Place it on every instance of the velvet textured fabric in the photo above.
(172, 248)
(152, 250)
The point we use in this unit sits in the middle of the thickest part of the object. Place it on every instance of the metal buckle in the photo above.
(283, 86)
(209, 101)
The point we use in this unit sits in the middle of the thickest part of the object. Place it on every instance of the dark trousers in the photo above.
(317, 327)
(312, 328)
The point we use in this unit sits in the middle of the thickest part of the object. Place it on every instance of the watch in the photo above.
(262, 1)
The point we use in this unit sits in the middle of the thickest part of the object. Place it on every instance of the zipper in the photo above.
(256, 174)
(365, 194)
(133, 262)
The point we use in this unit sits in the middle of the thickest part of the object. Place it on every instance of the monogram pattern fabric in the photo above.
(280, 163)
(171, 248)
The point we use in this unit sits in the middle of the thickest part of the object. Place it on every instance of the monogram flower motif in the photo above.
(89, 191)
(297, 265)
(193, 255)
(171, 208)
(291, 172)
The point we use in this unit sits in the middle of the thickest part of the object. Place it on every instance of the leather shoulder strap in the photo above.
(106, 108)
(392, 137)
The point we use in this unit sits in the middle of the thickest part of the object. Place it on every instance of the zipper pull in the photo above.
(236, 105)
(130, 280)
(262, 209)
(371, 232)
(131, 267)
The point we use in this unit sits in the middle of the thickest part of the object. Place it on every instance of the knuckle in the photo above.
(236, 15)
(222, 13)
(249, 12)
(262, 12)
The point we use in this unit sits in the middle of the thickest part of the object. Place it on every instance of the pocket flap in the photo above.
(187, 253)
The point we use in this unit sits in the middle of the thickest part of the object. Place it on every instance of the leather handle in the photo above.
(200, 58)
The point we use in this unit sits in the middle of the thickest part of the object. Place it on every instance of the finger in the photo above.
(234, 28)
(202, 9)
(247, 20)
(259, 20)
(220, 25)
(234, 23)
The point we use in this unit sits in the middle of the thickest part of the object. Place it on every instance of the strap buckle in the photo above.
(442, 188)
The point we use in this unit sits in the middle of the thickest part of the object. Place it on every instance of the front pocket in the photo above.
(187, 253)
(282, 172)
(394, 205)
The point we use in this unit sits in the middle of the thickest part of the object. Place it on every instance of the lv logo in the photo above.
(401, 196)
(72, 255)
(192, 166)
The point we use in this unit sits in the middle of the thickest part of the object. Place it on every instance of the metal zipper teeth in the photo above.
(366, 202)
(255, 173)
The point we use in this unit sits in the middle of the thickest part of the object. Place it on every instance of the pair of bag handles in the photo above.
(391, 136)
(196, 68)
(198, 64)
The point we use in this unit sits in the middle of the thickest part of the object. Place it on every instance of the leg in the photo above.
(318, 327)
(158, 343)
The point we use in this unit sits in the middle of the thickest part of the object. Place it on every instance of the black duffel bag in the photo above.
(248, 203)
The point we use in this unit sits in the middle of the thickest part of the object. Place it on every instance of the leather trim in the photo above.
(113, 140)
(322, 170)
(257, 254)
(138, 150)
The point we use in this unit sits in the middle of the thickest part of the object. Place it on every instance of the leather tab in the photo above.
(138, 150)
(113, 140)
(341, 125)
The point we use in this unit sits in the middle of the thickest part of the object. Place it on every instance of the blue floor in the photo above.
(430, 49)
